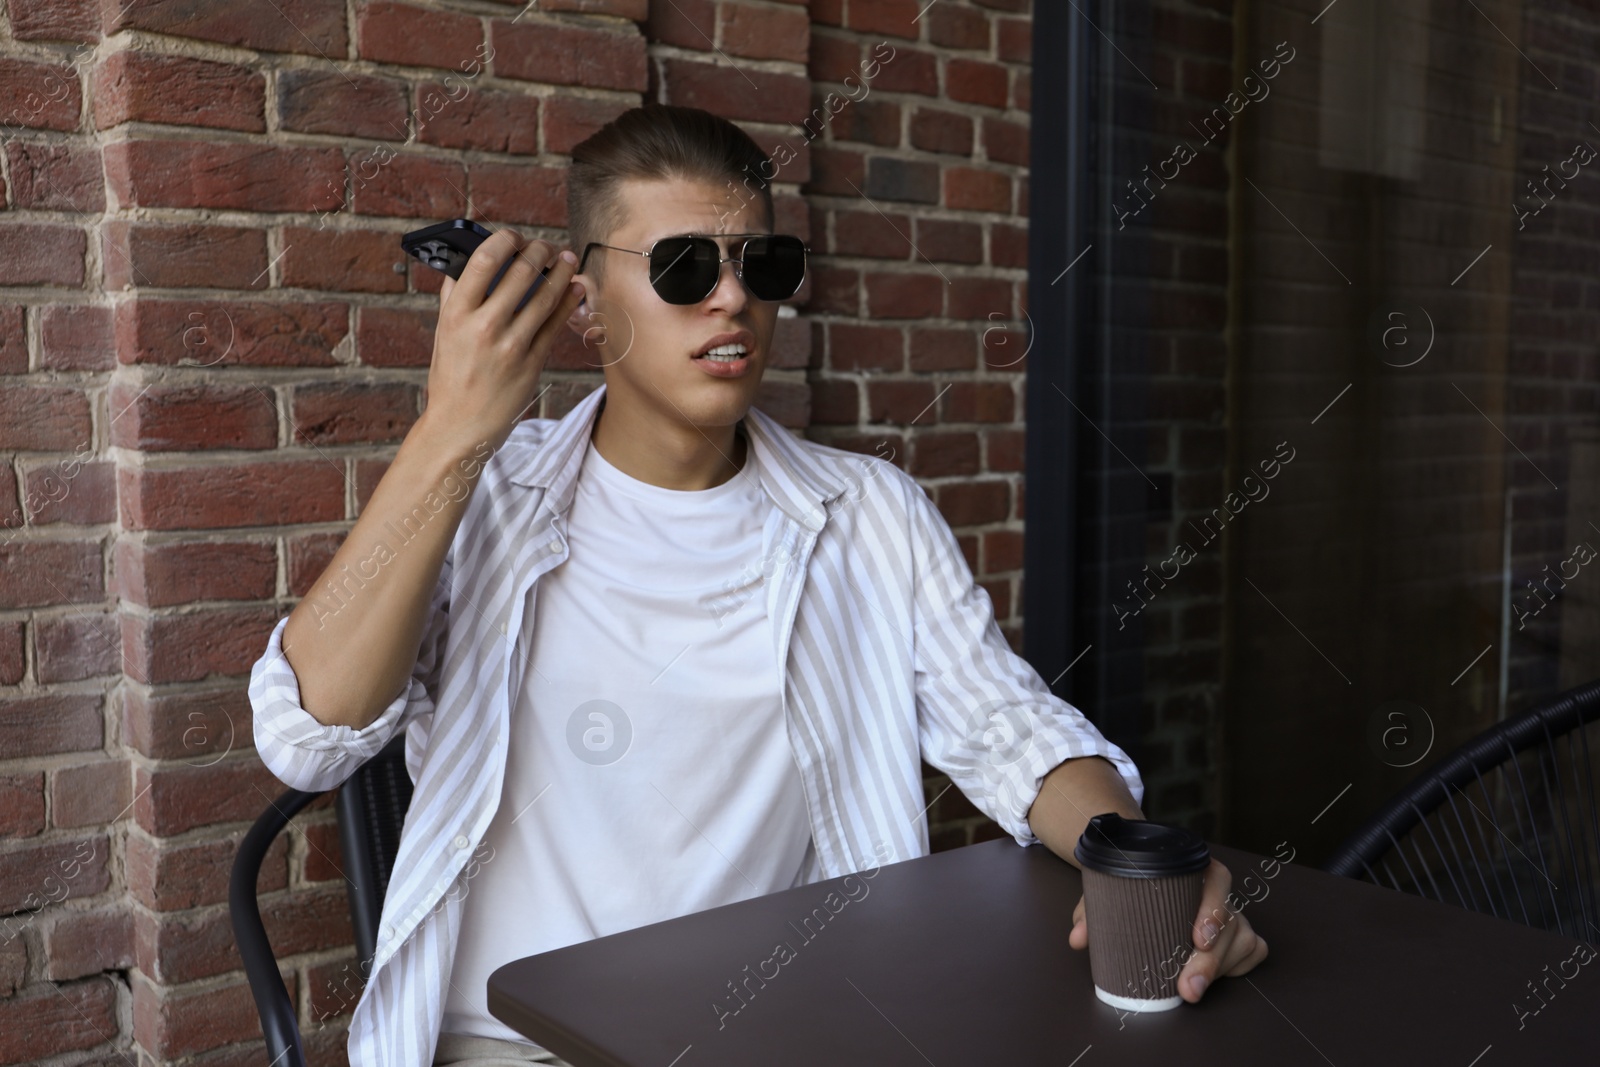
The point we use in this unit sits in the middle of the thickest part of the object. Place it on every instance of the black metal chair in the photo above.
(371, 806)
(1505, 825)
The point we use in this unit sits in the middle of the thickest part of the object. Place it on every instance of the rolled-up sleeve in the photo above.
(305, 753)
(985, 716)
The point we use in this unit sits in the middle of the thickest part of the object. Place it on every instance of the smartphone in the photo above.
(448, 245)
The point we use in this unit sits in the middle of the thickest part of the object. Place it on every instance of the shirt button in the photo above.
(461, 841)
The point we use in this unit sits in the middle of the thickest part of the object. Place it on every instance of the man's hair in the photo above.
(659, 141)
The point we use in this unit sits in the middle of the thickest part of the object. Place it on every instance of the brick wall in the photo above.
(210, 347)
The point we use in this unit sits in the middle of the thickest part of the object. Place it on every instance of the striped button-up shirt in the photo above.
(889, 653)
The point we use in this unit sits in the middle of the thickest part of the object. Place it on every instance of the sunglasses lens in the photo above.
(683, 270)
(774, 266)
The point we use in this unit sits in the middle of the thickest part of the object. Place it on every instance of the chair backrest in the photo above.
(372, 806)
(1506, 824)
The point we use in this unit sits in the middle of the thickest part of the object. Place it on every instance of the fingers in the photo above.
(1225, 943)
(1079, 937)
(484, 263)
(1214, 915)
(547, 311)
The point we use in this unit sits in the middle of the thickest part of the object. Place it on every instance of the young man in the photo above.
(659, 655)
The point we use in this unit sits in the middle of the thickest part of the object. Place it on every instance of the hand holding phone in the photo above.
(488, 358)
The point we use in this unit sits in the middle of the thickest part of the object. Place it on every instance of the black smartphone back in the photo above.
(447, 246)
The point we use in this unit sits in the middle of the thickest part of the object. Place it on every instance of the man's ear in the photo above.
(581, 321)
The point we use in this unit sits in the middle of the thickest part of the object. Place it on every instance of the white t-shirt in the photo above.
(649, 773)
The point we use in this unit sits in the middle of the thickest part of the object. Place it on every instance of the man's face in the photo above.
(650, 344)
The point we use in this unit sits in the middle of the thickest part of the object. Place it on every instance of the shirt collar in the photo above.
(797, 483)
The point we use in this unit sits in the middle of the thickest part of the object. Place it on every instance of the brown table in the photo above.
(960, 959)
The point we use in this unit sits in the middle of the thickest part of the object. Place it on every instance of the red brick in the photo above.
(766, 33)
(836, 401)
(163, 574)
(89, 794)
(324, 857)
(897, 18)
(395, 337)
(51, 1020)
(788, 402)
(1015, 42)
(766, 97)
(36, 875)
(855, 348)
(909, 70)
(309, 27)
(56, 177)
(353, 412)
(833, 58)
(941, 131)
(370, 471)
(39, 573)
(309, 556)
(21, 807)
(12, 663)
(140, 86)
(170, 1024)
(45, 418)
(406, 186)
(178, 799)
(343, 103)
(870, 121)
(835, 291)
(247, 494)
(406, 35)
(520, 193)
(169, 876)
(181, 256)
(184, 948)
(979, 402)
(13, 956)
(871, 233)
(1004, 348)
(1008, 245)
(976, 82)
(569, 55)
(484, 120)
(80, 943)
(904, 296)
(160, 418)
(1022, 91)
(1005, 141)
(23, 103)
(946, 241)
(684, 23)
(837, 171)
(70, 491)
(974, 503)
(938, 349)
(980, 298)
(223, 175)
(75, 336)
(79, 645)
(10, 508)
(570, 119)
(229, 333)
(51, 20)
(1004, 450)
(199, 726)
(791, 343)
(190, 647)
(900, 402)
(13, 337)
(943, 454)
(957, 27)
(636, 10)
(42, 254)
(977, 190)
(328, 260)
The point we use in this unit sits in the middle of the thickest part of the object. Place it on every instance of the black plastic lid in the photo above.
(1136, 848)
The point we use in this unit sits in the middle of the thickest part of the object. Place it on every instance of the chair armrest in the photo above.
(278, 1022)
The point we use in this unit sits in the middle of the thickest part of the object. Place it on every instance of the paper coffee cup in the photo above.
(1142, 883)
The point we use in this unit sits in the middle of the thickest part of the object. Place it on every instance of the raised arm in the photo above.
(353, 640)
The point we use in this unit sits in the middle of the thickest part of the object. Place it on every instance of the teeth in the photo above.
(725, 353)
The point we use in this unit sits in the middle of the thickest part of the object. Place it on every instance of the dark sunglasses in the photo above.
(684, 270)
